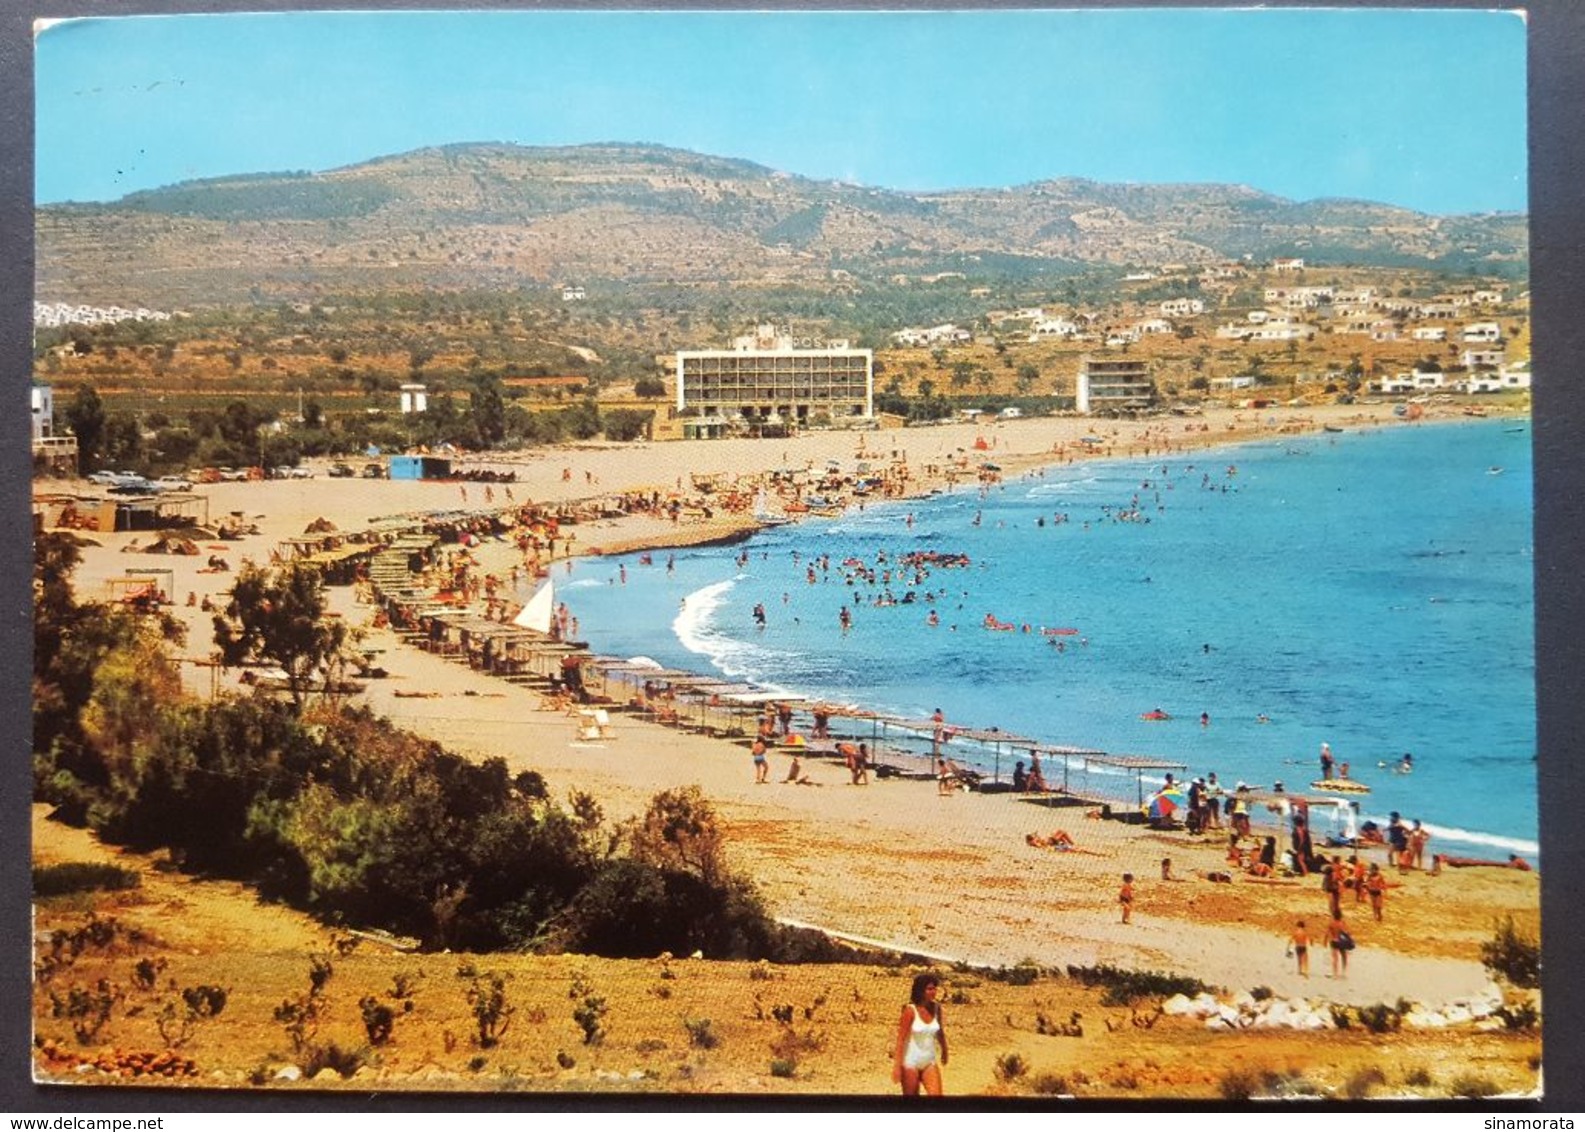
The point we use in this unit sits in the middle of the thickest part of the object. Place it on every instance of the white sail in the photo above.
(539, 611)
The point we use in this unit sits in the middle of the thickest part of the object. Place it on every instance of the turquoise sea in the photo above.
(1370, 589)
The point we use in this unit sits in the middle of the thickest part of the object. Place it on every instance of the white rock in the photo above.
(1457, 1014)
(1177, 1004)
(1244, 1000)
(288, 1073)
(1278, 1013)
(326, 1074)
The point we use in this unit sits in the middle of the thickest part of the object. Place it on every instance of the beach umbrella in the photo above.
(1164, 803)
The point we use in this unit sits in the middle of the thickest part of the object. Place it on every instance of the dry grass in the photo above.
(839, 1040)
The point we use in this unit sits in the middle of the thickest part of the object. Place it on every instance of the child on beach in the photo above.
(761, 764)
(1126, 897)
(1376, 885)
(1301, 948)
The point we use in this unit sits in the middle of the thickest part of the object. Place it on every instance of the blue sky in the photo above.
(1424, 109)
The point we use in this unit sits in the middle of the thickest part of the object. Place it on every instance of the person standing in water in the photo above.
(921, 1040)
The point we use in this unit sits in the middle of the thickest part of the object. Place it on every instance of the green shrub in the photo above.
(87, 1009)
(634, 909)
(1011, 1066)
(77, 876)
(590, 1014)
(1026, 972)
(378, 1019)
(146, 972)
(1513, 955)
(1361, 1081)
(792, 1044)
(701, 1034)
(177, 1020)
(1524, 1016)
(1239, 1084)
(1123, 987)
(491, 1012)
(1472, 1085)
(344, 1062)
(1050, 1085)
(783, 1067)
(1380, 1018)
(1419, 1077)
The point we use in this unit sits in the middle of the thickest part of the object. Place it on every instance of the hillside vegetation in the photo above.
(502, 216)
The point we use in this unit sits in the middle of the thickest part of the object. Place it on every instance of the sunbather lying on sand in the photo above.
(1059, 839)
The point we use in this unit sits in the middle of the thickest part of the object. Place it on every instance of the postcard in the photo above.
(786, 554)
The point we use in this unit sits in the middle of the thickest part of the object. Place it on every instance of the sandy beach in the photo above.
(892, 862)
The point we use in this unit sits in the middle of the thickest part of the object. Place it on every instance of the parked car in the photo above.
(173, 483)
(117, 479)
(341, 471)
(233, 475)
(301, 472)
(133, 485)
(374, 471)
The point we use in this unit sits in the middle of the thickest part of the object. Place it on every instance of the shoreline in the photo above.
(1224, 429)
(905, 755)
(957, 874)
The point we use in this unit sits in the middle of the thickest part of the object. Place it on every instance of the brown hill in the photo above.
(491, 216)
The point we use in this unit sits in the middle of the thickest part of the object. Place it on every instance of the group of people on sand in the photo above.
(855, 756)
(1336, 939)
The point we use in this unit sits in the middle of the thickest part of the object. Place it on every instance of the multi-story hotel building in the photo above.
(1106, 384)
(771, 378)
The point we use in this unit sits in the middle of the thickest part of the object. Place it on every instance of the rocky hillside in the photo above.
(501, 216)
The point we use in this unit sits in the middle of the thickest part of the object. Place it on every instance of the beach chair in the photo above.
(594, 724)
(954, 777)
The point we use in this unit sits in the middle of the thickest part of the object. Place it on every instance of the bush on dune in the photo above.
(336, 811)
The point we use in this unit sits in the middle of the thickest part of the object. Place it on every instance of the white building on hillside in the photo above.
(773, 378)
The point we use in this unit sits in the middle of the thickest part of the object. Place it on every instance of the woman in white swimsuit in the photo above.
(921, 1040)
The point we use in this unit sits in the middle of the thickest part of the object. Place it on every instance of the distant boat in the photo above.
(1332, 428)
(539, 611)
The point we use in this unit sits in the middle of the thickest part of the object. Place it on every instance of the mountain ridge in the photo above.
(499, 214)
